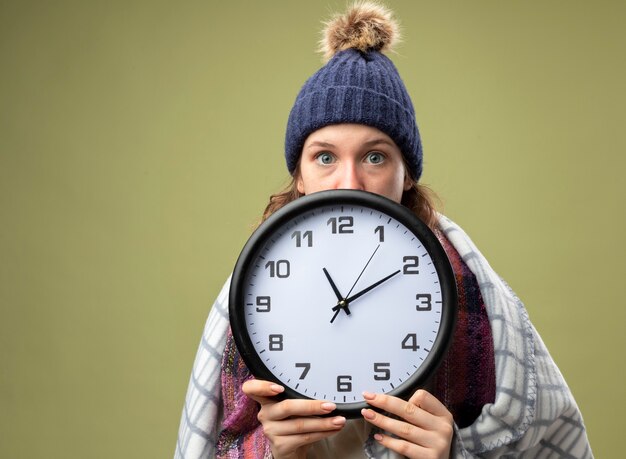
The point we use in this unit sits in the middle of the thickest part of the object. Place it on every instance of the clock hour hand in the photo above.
(337, 294)
(332, 284)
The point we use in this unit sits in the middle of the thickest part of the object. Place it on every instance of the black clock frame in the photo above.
(338, 198)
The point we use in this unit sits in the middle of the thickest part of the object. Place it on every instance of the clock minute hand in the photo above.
(367, 289)
(343, 304)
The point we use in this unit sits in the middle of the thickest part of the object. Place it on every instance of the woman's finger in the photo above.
(422, 409)
(409, 411)
(430, 403)
(401, 428)
(260, 390)
(304, 425)
(296, 408)
(264, 392)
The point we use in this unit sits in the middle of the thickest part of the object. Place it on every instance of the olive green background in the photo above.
(139, 141)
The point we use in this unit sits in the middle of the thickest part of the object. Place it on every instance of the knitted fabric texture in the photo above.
(240, 435)
(466, 379)
(361, 88)
(464, 382)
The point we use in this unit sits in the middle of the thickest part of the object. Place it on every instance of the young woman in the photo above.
(498, 392)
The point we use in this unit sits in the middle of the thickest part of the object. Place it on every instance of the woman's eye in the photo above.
(325, 158)
(375, 157)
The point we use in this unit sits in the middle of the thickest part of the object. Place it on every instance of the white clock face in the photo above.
(342, 299)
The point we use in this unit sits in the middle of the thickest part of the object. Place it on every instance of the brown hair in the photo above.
(419, 198)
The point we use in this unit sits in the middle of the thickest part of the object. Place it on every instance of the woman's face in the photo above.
(354, 157)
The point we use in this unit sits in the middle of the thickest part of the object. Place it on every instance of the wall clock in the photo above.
(339, 292)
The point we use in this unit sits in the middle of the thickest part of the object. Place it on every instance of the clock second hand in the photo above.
(343, 303)
(363, 270)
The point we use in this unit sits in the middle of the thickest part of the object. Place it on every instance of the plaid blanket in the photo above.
(534, 413)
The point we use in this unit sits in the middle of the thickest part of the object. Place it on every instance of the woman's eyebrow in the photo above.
(369, 143)
(377, 141)
(319, 143)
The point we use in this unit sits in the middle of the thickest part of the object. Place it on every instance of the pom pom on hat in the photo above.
(358, 84)
(365, 26)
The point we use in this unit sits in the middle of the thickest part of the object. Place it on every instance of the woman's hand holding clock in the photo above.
(291, 425)
(424, 427)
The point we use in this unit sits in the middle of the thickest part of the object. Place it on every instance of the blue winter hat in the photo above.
(359, 84)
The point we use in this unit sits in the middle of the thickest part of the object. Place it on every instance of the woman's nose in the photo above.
(350, 178)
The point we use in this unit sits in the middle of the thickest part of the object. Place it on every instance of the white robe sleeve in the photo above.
(534, 413)
(202, 411)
